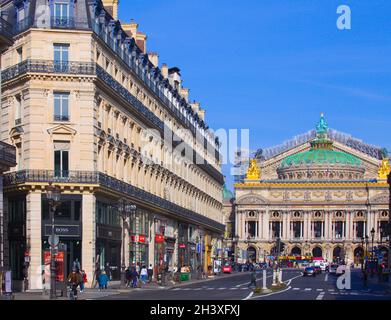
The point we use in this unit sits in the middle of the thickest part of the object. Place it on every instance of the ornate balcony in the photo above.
(48, 66)
(7, 156)
(105, 181)
(5, 34)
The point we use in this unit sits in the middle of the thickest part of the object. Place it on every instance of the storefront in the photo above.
(108, 238)
(183, 248)
(67, 225)
(140, 222)
(170, 243)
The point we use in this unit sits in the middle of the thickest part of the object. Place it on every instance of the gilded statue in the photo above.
(384, 169)
(253, 172)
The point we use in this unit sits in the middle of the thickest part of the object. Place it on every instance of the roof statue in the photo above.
(385, 169)
(253, 172)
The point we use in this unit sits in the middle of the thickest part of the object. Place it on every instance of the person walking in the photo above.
(76, 265)
(108, 271)
(84, 280)
(96, 276)
(103, 280)
(253, 279)
(128, 277)
(150, 273)
(144, 274)
(134, 278)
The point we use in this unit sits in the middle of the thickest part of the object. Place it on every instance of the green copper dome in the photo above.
(320, 157)
(321, 152)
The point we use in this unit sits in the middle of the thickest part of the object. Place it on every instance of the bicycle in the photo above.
(73, 291)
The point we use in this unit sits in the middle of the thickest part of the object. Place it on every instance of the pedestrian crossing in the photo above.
(211, 288)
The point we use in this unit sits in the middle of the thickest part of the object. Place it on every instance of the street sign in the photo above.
(54, 240)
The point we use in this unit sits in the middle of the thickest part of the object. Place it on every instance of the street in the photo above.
(235, 287)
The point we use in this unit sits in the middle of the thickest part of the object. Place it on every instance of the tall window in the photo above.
(19, 53)
(18, 109)
(61, 57)
(61, 12)
(61, 159)
(61, 106)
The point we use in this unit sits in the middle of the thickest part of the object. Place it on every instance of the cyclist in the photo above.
(74, 280)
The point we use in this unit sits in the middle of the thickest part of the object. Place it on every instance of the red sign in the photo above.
(159, 238)
(182, 246)
(139, 239)
(60, 270)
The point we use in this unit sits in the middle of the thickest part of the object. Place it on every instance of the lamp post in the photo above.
(125, 208)
(373, 238)
(366, 247)
(363, 253)
(53, 194)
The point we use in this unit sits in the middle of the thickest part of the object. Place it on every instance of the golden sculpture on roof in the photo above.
(384, 169)
(253, 172)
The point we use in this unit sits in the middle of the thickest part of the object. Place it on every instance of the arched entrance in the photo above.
(358, 255)
(338, 254)
(317, 252)
(251, 254)
(296, 251)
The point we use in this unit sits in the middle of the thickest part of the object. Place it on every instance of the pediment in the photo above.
(251, 199)
(62, 130)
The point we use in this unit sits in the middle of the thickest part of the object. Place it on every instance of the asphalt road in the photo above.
(235, 287)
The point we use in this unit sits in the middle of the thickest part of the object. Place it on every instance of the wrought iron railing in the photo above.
(61, 117)
(7, 154)
(5, 28)
(104, 180)
(48, 66)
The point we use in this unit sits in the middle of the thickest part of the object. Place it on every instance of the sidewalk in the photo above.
(114, 289)
(374, 286)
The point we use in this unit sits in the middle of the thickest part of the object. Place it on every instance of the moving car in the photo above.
(318, 269)
(309, 271)
(227, 268)
(333, 268)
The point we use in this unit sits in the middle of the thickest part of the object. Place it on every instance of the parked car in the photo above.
(227, 268)
(309, 271)
(333, 268)
(318, 269)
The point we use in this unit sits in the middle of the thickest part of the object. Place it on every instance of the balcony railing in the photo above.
(5, 29)
(61, 117)
(101, 179)
(7, 154)
(48, 66)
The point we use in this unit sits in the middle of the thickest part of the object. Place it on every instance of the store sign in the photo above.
(63, 230)
(60, 268)
(138, 238)
(159, 238)
(182, 246)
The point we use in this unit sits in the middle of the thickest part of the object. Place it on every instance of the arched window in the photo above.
(384, 214)
(297, 214)
(251, 214)
(360, 214)
(276, 214)
(318, 214)
(338, 214)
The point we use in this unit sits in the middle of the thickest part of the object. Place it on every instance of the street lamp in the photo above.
(53, 194)
(363, 253)
(373, 238)
(366, 248)
(125, 208)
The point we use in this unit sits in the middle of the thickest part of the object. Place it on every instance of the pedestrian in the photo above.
(150, 273)
(103, 280)
(84, 280)
(76, 265)
(96, 275)
(134, 278)
(253, 279)
(144, 274)
(128, 277)
(108, 271)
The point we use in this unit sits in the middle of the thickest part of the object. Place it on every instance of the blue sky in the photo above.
(272, 66)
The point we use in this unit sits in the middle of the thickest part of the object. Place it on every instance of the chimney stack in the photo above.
(112, 7)
(154, 58)
(164, 70)
(139, 37)
(185, 94)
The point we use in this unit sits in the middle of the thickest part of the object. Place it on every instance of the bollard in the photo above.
(280, 276)
(264, 280)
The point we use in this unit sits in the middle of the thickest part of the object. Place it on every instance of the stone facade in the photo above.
(92, 114)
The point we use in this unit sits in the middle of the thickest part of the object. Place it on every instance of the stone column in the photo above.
(243, 227)
(266, 234)
(151, 251)
(260, 230)
(34, 238)
(89, 235)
